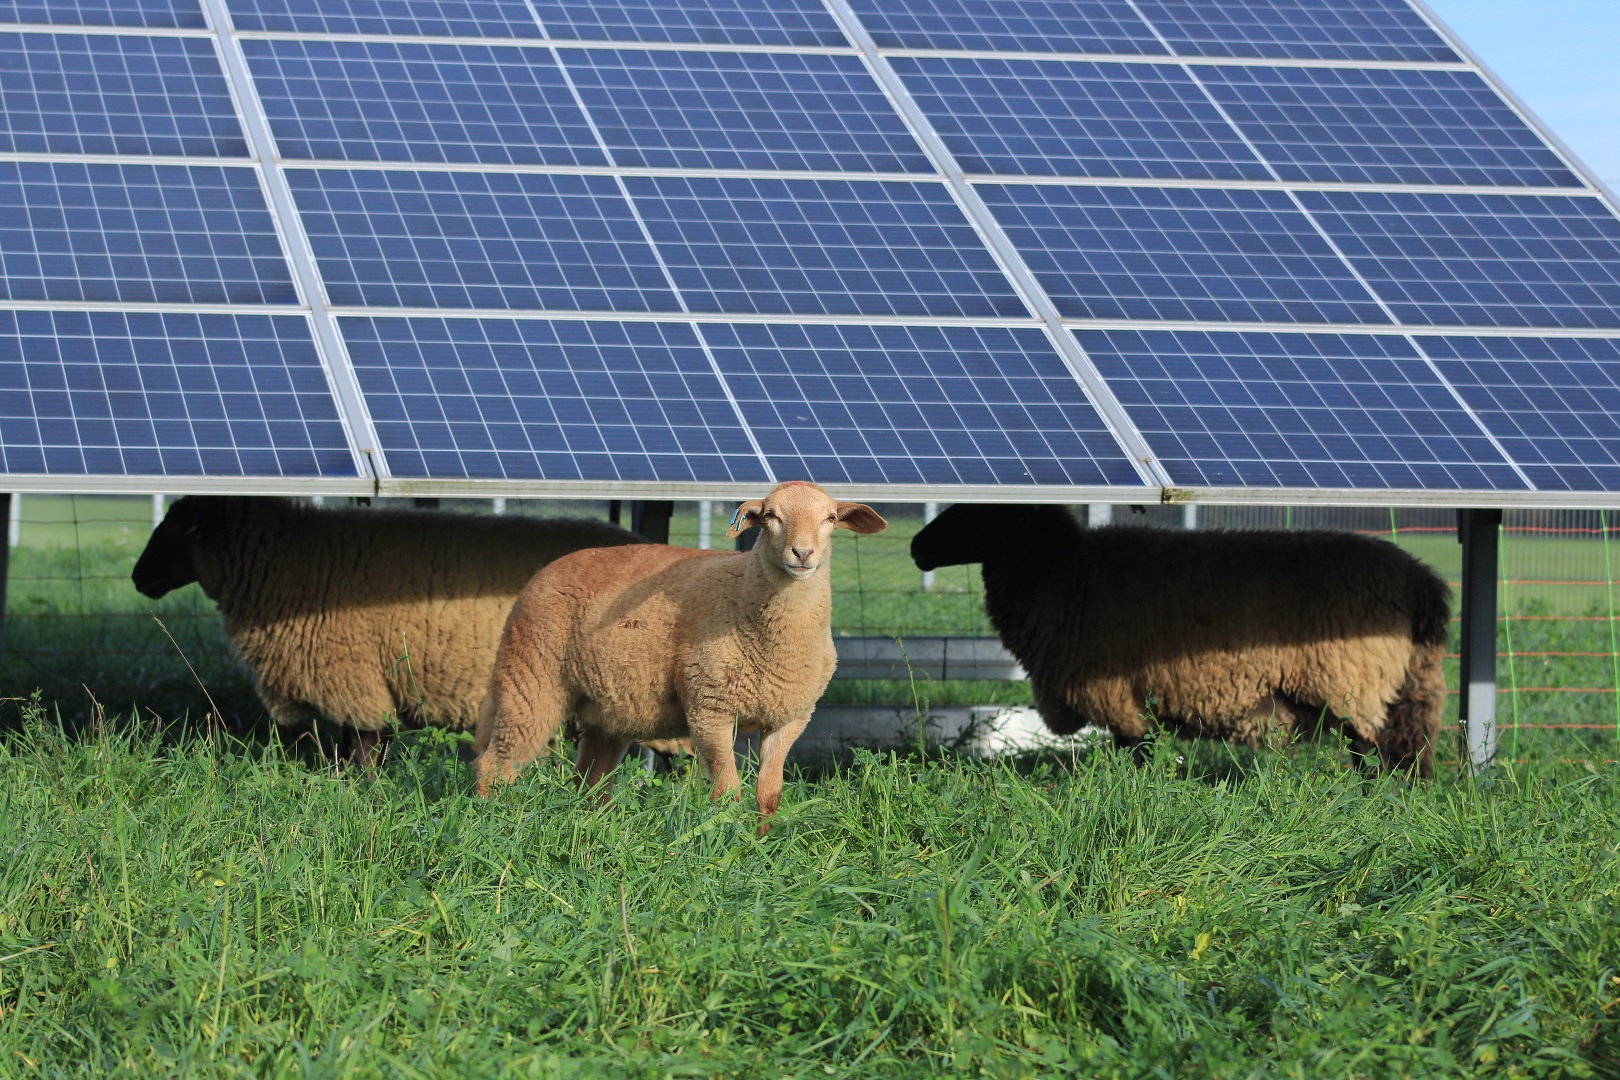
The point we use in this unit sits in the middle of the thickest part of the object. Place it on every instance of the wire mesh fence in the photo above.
(76, 630)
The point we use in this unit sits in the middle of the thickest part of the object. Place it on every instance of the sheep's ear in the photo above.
(746, 517)
(860, 518)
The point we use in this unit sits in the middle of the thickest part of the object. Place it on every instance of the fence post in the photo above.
(705, 531)
(157, 511)
(1189, 516)
(930, 512)
(498, 504)
(14, 519)
(12, 530)
(1099, 514)
(1479, 531)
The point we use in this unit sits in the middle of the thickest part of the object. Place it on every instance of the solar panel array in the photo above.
(1059, 249)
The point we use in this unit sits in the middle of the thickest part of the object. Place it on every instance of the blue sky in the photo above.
(1559, 56)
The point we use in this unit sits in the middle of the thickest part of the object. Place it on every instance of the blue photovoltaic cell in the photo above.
(714, 110)
(1384, 126)
(820, 247)
(151, 394)
(915, 405)
(713, 22)
(529, 399)
(1072, 118)
(478, 240)
(1185, 254)
(185, 14)
(1481, 260)
(138, 234)
(1295, 410)
(1310, 29)
(437, 18)
(115, 94)
(1094, 26)
(378, 101)
(1553, 403)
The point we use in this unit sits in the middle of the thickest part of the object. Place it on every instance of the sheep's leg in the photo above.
(364, 751)
(524, 711)
(1136, 744)
(1412, 724)
(714, 743)
(773, 750)
(599, 755)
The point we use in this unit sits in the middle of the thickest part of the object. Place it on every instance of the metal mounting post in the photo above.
(5, 552)
(1479, 531)
(651, 519)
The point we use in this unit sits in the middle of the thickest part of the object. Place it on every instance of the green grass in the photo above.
(205, 907)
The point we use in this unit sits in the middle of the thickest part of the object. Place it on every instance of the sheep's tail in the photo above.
(1412, 724)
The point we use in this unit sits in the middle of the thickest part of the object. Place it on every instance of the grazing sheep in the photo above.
(1226, 634)
(366, 617)
(654, 642)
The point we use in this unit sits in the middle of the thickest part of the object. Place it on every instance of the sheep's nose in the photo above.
(803, 555)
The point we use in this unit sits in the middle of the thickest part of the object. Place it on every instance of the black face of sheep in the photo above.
(166, 564)
(973, 533)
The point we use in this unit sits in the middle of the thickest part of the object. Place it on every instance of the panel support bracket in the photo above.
(650, 518)
(1479, 532)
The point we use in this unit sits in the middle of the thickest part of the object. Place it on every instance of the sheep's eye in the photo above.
(833, 518)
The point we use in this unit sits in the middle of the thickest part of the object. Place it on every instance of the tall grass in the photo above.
(205, 907)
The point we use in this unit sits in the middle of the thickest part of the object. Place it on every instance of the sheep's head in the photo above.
(796, 522)
(977, 533)
(170, 559)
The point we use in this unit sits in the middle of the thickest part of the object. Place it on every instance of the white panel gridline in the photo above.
(399, 101)
(502, 399)
(115, 94)
(1071, 118)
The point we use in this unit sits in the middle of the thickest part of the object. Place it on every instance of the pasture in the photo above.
(182, 894)
(202, 906)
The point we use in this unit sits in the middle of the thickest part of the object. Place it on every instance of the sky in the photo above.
(1560, 57)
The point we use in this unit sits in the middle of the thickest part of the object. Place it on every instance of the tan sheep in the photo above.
(1222, 635)
(365, 617)
(654, 642)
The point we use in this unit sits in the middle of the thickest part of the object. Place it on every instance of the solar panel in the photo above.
(1057, 247)
(438, 18)
(478, 240)
(1296, 411)
(1177, 253)
(1095, 26)
(165, 394)
(915, 405)
(1553, 403)
(138, 234)
(1314, 29)
(713, 22)
(390, 101)
(1382, 126)
(820, 247)
(543, 400)
(1480, 260)
(115, 94)
(718, 110)
(1071, 118)
(180, 14)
